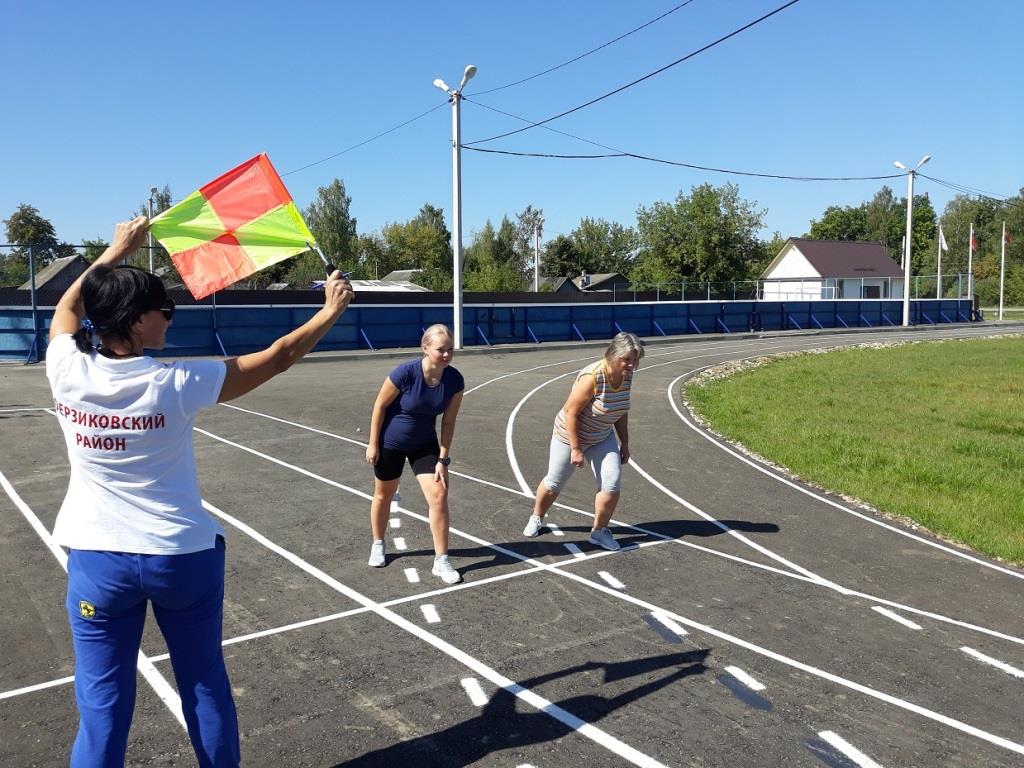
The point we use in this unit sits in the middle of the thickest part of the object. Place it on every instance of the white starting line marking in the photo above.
(665, 621)
(611, 580)
(849, 750)
(744, 678)
(1007, 668)
(895, 617)
(395, 522)
(430, 613)
(574, 550)
(400, 543)
(412, 576)
(555, 529)
(475, 692)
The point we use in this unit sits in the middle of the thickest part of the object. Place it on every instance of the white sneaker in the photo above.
(533, 526)
(602, 537)
(377, 557)
(443, 569)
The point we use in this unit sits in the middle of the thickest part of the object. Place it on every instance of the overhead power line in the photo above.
(615, 152)
(588, 53)
(729, 171)
(966, 189)
(367, 141)
(640, 79)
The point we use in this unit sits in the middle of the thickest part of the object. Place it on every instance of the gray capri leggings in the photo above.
(604, 459)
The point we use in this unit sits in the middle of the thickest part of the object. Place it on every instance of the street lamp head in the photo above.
(467, 76)
(924, 160)
(899, 165)
(153, 190)
(441, 84)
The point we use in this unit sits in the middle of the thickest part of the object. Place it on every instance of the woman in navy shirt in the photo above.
(403, 428)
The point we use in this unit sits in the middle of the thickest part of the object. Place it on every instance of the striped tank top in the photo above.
(607, 406)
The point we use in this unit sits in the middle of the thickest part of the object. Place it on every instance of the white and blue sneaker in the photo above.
(533, 526)
(444, 570)
(377, 554)
(602, 537)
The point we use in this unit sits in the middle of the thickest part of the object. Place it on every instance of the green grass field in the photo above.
(931, 431)
(1009, 313)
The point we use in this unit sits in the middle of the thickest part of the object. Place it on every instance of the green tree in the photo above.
(491, 263)
(93, 248)
(604, 246)
(162, 263)
(527, 221)
(331, 223)
(840, 223)
(709, 234)
(560, 258)
(26, 228)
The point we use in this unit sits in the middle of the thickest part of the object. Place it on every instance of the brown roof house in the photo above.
(809, 270)
(60, 273)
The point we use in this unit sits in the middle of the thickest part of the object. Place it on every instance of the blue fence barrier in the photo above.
(234, 329)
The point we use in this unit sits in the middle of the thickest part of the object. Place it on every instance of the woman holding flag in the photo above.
(133, 518)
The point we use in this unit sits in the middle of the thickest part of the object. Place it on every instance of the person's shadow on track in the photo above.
(499, 726)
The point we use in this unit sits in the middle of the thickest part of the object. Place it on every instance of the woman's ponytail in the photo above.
(83, 337)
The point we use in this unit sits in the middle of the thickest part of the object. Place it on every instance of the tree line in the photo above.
(708, 234)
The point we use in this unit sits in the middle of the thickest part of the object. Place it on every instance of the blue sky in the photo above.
(105, 100)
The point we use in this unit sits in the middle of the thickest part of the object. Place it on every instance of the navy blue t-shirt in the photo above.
(410, 421)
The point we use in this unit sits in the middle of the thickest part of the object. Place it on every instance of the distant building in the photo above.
(602, 281)
(401, 275)
(808, 270)
(59, 274)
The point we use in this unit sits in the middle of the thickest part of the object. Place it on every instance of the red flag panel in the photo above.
(246, 192)
(213, 265)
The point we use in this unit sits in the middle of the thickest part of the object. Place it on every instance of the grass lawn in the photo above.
(932, 431)
(1009, 313)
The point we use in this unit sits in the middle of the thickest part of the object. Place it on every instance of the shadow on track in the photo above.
(499, 726)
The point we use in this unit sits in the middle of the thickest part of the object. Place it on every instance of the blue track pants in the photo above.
(107, 597)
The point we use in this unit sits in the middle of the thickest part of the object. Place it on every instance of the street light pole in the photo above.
(908, 238)
(149, 234)
(455, 96)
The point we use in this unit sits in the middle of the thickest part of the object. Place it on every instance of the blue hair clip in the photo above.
(87, 324)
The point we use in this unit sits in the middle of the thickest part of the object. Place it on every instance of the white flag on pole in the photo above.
(942, 240)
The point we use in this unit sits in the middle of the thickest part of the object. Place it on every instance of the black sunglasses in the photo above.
(167, 309)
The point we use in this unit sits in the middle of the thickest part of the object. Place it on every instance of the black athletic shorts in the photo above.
(391, 462)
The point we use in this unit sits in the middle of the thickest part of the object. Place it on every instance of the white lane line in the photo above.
(849, 750)
(306, 623)
(395, 522)
(1007, 668)
(37, 687)
(691, 545)
(672, 387)
(430, 614)
(574, 550)
(611, 580)
(536, 701)
(745, 678)
(895, 617)
(19, 410)
(158, 682)
(412, 575)
(400, 543)
(474, 691)
(662, 618)
(820, 673)
(555, 530)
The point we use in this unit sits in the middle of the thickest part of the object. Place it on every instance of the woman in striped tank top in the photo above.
(597, 410)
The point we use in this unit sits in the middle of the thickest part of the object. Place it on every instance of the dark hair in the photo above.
(114, 300)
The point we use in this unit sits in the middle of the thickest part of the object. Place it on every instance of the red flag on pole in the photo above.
(974, 242)
(1007, 235)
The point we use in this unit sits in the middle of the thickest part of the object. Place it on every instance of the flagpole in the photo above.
(938, 268)
(1002, 271)
(970, 265)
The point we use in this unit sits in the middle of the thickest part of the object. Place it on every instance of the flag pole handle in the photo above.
(327, 265)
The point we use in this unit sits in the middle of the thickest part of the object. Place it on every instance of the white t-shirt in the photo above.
(128, 427)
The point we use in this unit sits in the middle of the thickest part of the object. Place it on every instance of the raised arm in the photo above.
(247, 372)
(128, 236)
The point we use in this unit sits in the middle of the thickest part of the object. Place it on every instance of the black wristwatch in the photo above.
(445, 461)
